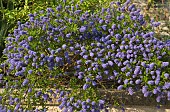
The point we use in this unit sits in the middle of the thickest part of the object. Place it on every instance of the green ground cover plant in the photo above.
(67, 52)
(12, 11)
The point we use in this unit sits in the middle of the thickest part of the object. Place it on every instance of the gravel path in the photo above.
(127, 109)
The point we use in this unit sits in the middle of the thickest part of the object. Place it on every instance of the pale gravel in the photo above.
(127, 109)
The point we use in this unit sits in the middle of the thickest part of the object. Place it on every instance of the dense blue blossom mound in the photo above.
(65, 54)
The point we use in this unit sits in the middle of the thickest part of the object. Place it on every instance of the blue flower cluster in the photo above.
(52, 48)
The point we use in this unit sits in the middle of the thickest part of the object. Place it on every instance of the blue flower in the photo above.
(85, 86)
(104, 27)
(104, 65)
(120, 87)
(146, 94)
(130, 90)
(29, 90)
(165, 64)
(25, 82)
(1, 98)
(158, 72)
(82, 29)
(17, 106)
(1, 75)
(126, 81)
(77, 12)
(94, 83)
(138, 81)
(152, 72)
(158, 99)
(156, 24)
(151, 82)
(101, 101)
(166, 75)
(151, 66)
(45, 96)
(157, 81)
(110, 63)
(137, 70)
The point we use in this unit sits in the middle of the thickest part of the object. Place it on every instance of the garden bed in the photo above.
(130, 108)
(116, 61)
(130, 103)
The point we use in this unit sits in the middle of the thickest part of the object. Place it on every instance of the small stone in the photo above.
(163, 23)
(165, 28)
(165, 33)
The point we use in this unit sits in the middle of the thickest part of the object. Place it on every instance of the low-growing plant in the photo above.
(12, 11)
(66, 54)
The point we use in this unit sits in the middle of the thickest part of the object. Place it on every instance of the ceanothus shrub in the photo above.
(65, 54)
